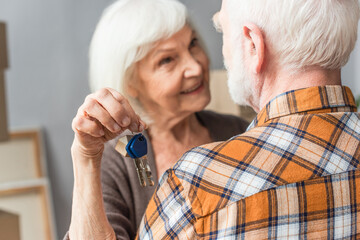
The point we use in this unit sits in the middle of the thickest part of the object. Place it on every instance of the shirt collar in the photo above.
(306, 100)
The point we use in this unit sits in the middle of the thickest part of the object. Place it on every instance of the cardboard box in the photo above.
(4, 63)
(4, 134)
(9, 226)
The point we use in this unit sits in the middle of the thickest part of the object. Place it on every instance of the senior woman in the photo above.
(147, 51)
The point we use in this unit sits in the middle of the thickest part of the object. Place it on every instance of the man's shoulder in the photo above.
(213, 153)
(264, 157)
(207, 173)
(209, 157)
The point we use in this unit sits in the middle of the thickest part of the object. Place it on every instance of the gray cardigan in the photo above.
(125, 200)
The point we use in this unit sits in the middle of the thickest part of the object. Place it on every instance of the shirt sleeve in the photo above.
(169, 214)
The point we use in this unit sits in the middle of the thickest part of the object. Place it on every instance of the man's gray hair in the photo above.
(302, 33)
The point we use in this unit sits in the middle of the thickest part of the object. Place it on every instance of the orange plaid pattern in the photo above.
(293, 174)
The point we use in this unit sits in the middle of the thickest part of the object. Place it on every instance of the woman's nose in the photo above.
(192, 67)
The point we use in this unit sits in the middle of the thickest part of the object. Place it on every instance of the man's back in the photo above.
(292, 174)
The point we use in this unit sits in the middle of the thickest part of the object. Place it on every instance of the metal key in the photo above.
(136, 148)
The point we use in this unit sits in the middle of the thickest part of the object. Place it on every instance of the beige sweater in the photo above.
(125, 200)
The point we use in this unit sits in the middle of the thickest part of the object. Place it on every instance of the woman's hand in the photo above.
(103, 115)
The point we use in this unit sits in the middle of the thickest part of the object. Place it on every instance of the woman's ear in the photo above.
(254, 46)
(131, 86)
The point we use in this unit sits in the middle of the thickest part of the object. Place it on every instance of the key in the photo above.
(136, 148)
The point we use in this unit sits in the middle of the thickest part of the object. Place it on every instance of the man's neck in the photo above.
(285, 81)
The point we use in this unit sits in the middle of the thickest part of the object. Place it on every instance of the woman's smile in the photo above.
(195, 89)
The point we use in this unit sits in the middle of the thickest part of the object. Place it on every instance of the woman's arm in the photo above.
(117, 193)
(88, 219)
(102, 117)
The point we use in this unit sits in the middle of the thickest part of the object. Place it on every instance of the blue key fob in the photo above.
(137, 146)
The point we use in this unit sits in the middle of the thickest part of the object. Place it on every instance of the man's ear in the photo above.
(254, 46)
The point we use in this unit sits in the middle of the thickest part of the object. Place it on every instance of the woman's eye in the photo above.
(194, 42)
(165, 61)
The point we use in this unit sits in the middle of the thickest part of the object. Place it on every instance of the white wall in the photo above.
(47, 79)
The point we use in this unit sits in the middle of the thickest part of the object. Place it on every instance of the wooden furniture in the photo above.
(24, 187)
(3, 66)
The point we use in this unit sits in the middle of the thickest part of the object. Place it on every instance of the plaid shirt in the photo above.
(293, 174)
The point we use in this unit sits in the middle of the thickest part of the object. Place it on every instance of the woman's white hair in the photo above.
(125, 34)
(302, 33)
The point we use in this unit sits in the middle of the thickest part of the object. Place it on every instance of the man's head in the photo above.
(262, 37)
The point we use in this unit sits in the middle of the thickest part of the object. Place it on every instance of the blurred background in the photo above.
(47, 76)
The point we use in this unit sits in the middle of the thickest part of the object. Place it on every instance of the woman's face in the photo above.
(173, 79)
